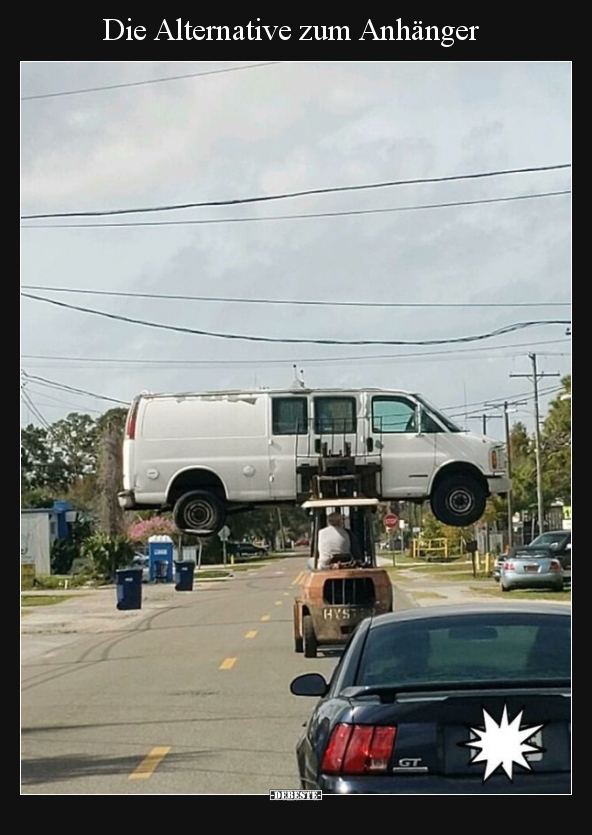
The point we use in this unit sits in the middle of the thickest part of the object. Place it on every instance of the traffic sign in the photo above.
(391, 520)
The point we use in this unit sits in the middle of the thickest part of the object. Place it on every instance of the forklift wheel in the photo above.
(309, 638)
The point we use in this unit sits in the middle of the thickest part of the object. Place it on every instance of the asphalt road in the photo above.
(188, 695)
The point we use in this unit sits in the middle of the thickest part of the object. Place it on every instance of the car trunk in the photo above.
(433, 729)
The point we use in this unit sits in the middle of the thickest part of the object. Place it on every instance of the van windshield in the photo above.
(434, 412)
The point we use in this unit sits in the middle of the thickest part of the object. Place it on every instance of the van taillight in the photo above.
(130, 427)
(359, 749)
(494, 459)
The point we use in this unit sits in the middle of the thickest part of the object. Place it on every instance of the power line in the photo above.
(303, 193)
(303, 216)
(50, 402)
(459, 354)
(33, 409)
(241, 300)
(61, 387)
(486, 404)
(301, 341)
(449, 410)
(148, 81)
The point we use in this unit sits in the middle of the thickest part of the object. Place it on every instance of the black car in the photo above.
(445, 700)
(246, 549)
(555, 544)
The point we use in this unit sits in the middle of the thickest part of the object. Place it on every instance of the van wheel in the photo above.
(309, 639)
(459, 500)
(199, 511)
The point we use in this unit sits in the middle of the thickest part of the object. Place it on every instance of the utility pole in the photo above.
(507, 411)
(281, 530)
(484, 418)
(535, 377)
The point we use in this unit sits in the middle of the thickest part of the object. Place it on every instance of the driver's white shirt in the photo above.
(332, 540)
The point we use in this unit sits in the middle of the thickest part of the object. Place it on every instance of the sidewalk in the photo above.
(425, 590)
(87, 611)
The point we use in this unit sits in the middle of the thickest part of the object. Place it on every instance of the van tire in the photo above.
(459, 500)
(309, 639)
(199, 510)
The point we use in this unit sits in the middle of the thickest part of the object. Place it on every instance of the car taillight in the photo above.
(130, 427)
(509, 566)
(555, 565)
(359, 749)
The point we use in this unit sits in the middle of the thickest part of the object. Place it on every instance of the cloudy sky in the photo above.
(417, 269)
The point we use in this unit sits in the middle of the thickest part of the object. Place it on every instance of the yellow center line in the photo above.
(149, 763)
(266, 617)
(299, 578)
(251, 633)
(227, 663)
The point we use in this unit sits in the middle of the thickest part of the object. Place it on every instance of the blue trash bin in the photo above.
(184, 575)
(129, 588)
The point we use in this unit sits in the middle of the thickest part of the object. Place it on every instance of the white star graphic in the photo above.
(503, 744)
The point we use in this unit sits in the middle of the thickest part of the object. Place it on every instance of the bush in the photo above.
(65, 551)
(143, 529)
(106, 554)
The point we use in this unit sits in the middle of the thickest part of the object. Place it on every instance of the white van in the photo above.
(205, 455)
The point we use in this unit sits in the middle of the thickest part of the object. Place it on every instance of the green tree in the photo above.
(74, 440)
(556, 446)
(555, 456)
(523, 459)
(109, 432)
(269, 524)
(41, 465)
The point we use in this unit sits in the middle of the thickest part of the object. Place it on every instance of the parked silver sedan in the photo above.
(532, 568)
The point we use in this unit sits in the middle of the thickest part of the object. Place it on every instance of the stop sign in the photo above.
(391, 520)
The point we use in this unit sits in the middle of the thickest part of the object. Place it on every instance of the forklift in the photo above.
(334, 600)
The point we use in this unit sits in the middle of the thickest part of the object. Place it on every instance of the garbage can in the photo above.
(184, 576)
(160, 571)
(129, 588)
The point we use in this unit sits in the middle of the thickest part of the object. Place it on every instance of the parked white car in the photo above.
(204, 454)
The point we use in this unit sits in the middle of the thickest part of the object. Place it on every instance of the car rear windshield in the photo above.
(550, 539)
(470, 649)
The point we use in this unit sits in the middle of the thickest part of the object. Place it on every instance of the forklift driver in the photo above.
(337, 546)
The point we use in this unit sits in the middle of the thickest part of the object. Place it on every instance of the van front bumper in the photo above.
(498, 484)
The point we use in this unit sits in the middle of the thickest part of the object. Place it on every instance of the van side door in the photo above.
(289, 443)
(335, 424)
